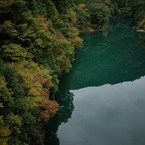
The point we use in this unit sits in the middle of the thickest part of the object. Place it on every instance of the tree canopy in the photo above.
(38, 43)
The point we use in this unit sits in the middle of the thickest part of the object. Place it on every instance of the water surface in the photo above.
(102, 98)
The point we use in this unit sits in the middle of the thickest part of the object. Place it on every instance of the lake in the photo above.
(102, 98)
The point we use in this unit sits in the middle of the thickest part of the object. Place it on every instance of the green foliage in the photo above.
(83, 22)
(140, 10)
(14, 52)
(13, 109)
(129, 8)
(99, 14)
(63, 5)
(6, 6)
(38, 44)
(5, 99)
(52, 11)
(4, 131)
(5, 96)
(126, 11)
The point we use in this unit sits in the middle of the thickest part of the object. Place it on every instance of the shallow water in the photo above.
(102, 98)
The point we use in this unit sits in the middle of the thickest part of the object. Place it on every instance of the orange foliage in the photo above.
(48, 108)
(77, 40)
(59, 36)
(81, 6)
(42, 20)
(39, 79)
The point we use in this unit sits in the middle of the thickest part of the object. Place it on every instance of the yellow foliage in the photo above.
(107, 2)
(34, 80)
(1, 105)
(14, 119)
(14, 52)
(4, 129)
(33, 101)
(82, 6)
(141, 24)
(43, 22)
(72, 16)
(77, 40)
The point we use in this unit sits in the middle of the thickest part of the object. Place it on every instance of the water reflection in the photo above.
(112, 58)
(62, 116)
(107, 115)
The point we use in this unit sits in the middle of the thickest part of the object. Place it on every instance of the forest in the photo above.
(38, 42)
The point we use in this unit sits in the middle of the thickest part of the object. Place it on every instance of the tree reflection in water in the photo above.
(106, 58)
(61, 116)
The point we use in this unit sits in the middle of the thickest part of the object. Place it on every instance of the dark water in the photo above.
(102, 98)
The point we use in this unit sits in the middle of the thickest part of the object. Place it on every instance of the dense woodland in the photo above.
(38, 41)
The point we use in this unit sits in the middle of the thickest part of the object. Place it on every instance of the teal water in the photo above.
(102, 98)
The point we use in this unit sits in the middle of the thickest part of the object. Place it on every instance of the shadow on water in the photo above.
(106, 58)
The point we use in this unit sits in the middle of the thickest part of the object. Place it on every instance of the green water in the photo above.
(102, 98)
